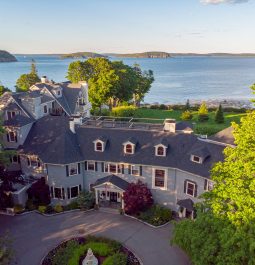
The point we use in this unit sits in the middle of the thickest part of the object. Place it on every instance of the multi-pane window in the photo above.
(190, 188)
(73, 169)
(14, 159)
(159, 178)
(112, 168)
(10, 114)
(160, 151)
(58, 193)
(12, 137)
(99, 147)
(129, 149)
(135, 170)
(209, 185)
(91, 166)
(74, 191)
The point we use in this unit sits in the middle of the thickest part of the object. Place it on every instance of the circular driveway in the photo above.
(34, 235)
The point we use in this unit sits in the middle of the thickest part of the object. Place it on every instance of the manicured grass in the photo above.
(209, 127)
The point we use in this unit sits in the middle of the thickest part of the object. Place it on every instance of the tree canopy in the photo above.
(224, 230)
(111, 83)
(219, 115)
(3, 89)
(25, 81)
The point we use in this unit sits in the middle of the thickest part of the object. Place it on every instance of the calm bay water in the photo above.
(176, 79)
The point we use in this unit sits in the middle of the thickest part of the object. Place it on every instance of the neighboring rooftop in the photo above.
(224, 136)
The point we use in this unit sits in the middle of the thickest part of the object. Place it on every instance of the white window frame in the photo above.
(133, 148)
(69, 169)
(95, 147)
(193, 159)
(137, 168)
(13, 113)
(194, 190)
(94, 164)
(108, 167)
(156, 150)
(61, 189)
(154, 178)
(77, 186)
(15, 135)
(209, 184)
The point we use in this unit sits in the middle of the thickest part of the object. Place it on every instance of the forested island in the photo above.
(141, 55)
(78, 55)
(6, 57)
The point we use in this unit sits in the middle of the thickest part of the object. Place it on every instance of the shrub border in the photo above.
(141, 221)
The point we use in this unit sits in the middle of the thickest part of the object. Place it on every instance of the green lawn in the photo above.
(209, 127)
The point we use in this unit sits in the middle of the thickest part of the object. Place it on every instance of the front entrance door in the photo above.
(113, 196)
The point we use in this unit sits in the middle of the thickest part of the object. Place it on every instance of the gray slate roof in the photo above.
(224, 136)
(51, 139)
(18, 121)
(113, 179)
(184, 126)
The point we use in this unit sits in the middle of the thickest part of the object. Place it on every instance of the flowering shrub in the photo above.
(137, 198)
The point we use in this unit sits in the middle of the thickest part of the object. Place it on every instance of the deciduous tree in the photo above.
(203, 112)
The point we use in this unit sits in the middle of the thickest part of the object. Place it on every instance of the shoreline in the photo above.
(213, 103)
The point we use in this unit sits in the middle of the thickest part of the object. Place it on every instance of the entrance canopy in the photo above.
(187, 203)
(114, 180)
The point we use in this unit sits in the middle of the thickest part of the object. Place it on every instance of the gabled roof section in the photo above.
(225, 136)
(101, 138)
(131, 140)
(51, 139)
(163, 141)
(184, 126)
(114, 180)
(186, 203)
(201, 152)
(18, 121)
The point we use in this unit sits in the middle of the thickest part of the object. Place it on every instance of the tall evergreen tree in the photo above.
(187, 105)
(219, 115)
(25, 81)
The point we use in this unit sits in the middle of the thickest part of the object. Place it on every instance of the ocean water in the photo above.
(176, 79)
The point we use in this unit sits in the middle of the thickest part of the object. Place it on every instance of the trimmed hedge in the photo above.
(124, 111)
(116, 259)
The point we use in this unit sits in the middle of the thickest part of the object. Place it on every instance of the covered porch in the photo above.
(186, 208)
(109, 192)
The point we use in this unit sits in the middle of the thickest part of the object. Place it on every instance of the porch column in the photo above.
(96, 191)
(122, 202)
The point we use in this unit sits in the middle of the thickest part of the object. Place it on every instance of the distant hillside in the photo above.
(215, 54)
(6, 57)
(142, 55)
(82, 55)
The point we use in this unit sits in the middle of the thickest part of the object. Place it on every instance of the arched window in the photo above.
(99, 146)
(160, 151)
(129, 149)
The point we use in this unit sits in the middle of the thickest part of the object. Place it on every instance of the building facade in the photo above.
(51, 128)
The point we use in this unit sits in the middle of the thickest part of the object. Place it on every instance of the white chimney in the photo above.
(170, 125)
(75, 120)
(44, 79)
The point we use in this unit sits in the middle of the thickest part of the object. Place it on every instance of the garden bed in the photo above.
(156, 215)
(73, 252)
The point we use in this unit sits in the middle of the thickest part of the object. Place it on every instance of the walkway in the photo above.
(34, 235)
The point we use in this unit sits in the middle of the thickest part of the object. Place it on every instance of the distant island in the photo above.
(141, 55)
(6, 57)
(215, 54)
(77, 55)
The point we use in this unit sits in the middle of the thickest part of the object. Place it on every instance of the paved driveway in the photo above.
(34, 235)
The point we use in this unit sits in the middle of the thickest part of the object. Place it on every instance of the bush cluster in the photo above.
(156, 215)
(186, 116)
(18, 208)
(124, 111)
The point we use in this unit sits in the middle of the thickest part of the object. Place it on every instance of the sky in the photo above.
(123, 26)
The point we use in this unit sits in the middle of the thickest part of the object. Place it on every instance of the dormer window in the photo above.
(129, 146)
(196, 159)
(160, 150)
(129, 149)
(12, 136)
(99, 144)
(99, 147)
